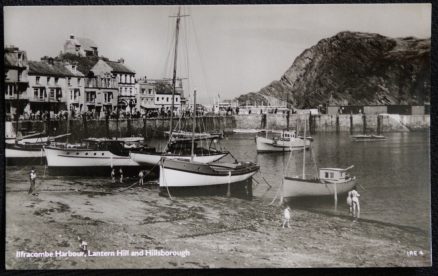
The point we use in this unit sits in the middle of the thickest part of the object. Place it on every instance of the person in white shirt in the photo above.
(355, 203)
(286, 217)
(32, 177)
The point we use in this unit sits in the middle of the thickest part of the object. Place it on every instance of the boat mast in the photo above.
(304, 151)
(178, 19)
(16, 110)
(194, 126)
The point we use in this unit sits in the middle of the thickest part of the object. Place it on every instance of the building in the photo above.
(156, 95)
(54, 85)
(16, 81)
(117, 72)
(81, 46)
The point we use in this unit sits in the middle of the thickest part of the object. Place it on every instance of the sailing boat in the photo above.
(183, 173)
(331, 181)
(177, 146)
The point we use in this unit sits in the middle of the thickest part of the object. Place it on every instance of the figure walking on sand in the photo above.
(140, 176)
(355, 203)
(113, 175)
(286, 217)
(349, 202)
(121, 175)
(32, 178)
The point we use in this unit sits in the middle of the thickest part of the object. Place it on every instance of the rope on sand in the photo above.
(138, 182)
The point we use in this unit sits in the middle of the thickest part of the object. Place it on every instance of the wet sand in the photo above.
(217, 231)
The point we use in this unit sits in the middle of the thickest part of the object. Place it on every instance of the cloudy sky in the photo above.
(229, 50)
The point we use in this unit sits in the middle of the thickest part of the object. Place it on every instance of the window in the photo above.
(143, 91)
(35, 92)
(326, 175)
(331, 175)
(176, 99)
(37, 80)
(48, 80)
(69, 81)
(79, 81)
(130, 91)
(52, 93)
(158, 98)
(56, 80)
(150, 91)
(167, 99)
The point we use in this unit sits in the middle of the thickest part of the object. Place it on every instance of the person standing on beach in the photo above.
(355, 203)
(32, 178)
(113, 175)
(140, 175)
(349, 202)
(121, 175)
(286, 217)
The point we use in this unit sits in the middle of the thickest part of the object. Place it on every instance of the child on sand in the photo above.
(286, 217)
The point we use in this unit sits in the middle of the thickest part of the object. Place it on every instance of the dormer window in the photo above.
(37, 80)
(69, 81)
(56, 80)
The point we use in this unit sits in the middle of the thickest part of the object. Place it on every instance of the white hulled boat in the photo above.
(94, 156)
(331, 181)
(288, 141)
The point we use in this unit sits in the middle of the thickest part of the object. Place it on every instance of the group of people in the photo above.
(352, 202)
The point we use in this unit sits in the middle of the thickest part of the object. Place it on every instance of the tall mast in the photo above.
(178, 19)
(304, 151)
(194, 125)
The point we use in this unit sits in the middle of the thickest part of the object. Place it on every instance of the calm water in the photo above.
(394, 174)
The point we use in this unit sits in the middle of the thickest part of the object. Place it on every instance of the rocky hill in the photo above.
(353, 68)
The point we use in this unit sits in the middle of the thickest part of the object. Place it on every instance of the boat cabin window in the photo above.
(332, 175)
(326, 175)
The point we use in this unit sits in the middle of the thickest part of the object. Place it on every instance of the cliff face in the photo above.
(357, 69)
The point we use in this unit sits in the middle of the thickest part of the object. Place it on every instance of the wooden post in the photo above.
(364, 119)
(379, 124)
(337, 123)
(145, 131)
(229, 184)
(336, 197)
(351, 124)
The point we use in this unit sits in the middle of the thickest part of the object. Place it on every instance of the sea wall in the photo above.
(155, 127)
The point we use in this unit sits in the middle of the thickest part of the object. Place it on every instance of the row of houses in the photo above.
(79, 81)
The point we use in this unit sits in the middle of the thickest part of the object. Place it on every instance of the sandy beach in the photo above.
(216, 231)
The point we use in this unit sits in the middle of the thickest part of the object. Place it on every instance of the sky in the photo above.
(225, 50)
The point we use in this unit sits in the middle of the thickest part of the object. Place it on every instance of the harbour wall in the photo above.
(155, 127)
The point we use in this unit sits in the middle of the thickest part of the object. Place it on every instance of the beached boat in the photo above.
(366, 137)
(27, 150)
(331, 181)
(95, 156)
(287, 141)
(186, 173)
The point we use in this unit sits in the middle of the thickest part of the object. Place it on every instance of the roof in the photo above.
(11, 60)
(119, 67)
(43, 68)
(334, 169)
(86, 43)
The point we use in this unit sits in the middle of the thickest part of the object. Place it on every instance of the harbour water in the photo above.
(393, 175)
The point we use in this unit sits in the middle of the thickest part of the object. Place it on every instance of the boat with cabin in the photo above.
(287, 141)
(330, 182)
(94, 156)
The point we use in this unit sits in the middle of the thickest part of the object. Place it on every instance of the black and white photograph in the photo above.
(217, 136)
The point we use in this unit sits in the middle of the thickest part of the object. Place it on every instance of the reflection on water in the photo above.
(394, 174)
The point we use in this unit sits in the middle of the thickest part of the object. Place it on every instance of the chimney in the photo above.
(72, 36)
(121, 60)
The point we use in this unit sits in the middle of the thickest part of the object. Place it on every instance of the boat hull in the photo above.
(368, 138)
(154, 158)
(270, 145)
(16, 156)
(296, 187)
(73, 161)
(180, 173)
